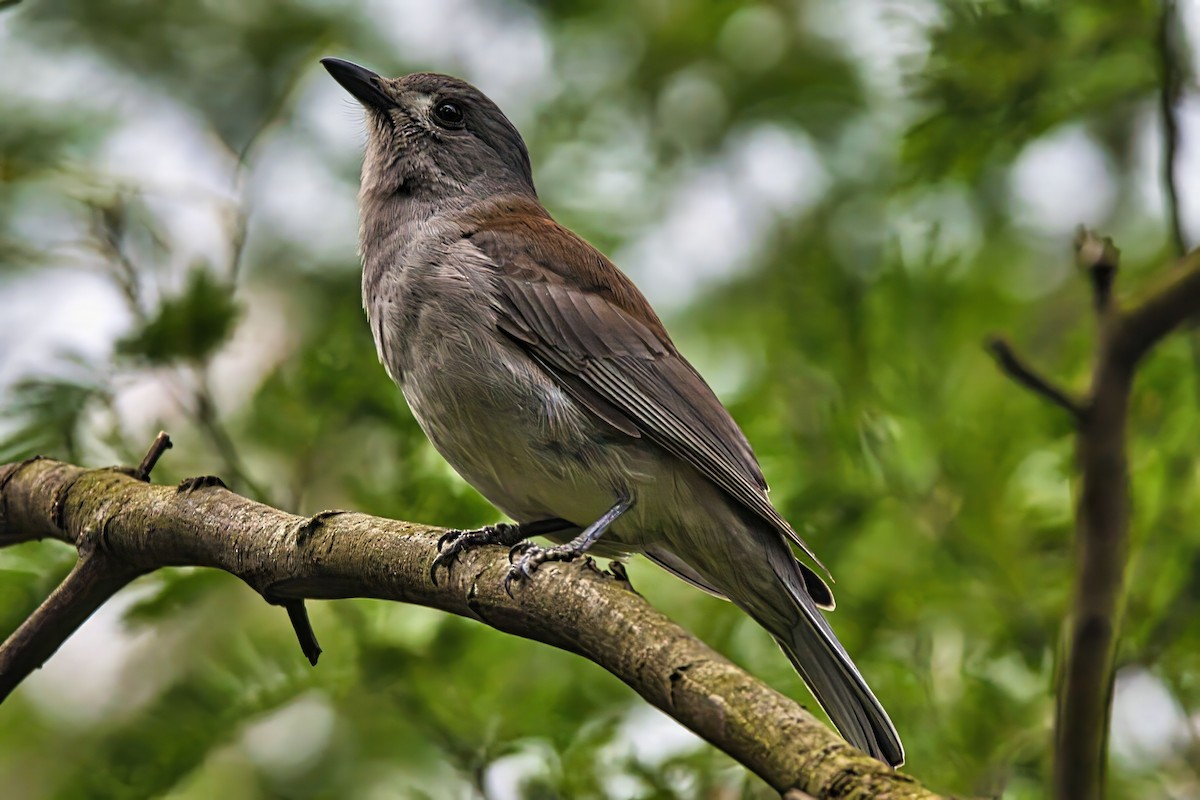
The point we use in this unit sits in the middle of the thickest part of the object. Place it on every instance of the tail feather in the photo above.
(826, 667)
(756, 570)
(840, 689)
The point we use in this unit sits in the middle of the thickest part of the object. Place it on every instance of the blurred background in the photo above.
(831, 202)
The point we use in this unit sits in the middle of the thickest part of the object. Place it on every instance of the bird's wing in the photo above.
(593, 330)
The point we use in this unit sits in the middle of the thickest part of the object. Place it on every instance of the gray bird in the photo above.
(541, 373)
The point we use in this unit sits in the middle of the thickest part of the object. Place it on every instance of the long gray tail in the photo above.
(823, 663)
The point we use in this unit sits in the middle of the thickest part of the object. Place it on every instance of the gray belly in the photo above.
(514, 434)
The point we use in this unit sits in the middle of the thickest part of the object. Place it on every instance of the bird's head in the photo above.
(434, 136)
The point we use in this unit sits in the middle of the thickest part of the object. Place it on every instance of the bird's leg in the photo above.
(452, 543)
(532, 555)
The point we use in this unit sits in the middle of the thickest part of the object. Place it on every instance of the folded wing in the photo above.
(606, 346)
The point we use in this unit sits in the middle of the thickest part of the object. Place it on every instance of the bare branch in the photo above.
(1102, 553)
(1102, 530)
(109, 221)
(160, 445)
(10, 535)
(298, 615)
(1015, 367)
(93, 581)
(1176, 300)
(1102, 511)
(571, 606)
(1099, 258)
(1171, 81)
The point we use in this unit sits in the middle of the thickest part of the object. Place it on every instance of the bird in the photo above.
(541, 373)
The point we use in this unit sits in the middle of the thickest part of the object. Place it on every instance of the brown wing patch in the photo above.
(592, 329)
(527, 244)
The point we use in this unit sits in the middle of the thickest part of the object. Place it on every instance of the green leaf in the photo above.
(1002, 74)
(190, 327)
(45, 414)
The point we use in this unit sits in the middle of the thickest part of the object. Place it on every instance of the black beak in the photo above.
(360, 82)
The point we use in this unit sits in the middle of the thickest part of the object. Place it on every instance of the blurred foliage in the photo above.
(250, 53)
(845, 338)
(1010, 71)
(46, 412)
(187, 328)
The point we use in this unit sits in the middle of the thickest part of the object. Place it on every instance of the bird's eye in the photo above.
(448, 114)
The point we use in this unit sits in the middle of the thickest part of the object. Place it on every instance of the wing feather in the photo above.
(593, 331)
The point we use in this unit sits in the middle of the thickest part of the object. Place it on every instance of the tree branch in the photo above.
(160, 445)
(1015, 367)
(1102, 512)
(1171, 82)
(571, 606)
(1175, 301)
(1099, 259)
(93, 581)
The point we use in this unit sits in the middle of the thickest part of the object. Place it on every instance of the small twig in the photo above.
(1176, 688)
(239, 212)
(1099, 258)
(298, 615)
(108, 226)
(1172, 303)
(1179, 615)
(160, 445)
(1015, 367)
(95, 578)
(1171, 80)
(1174, 67)
(237, 248)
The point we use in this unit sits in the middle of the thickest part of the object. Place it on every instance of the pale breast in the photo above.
(508, 429)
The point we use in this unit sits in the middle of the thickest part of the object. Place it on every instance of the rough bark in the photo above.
(124, 527)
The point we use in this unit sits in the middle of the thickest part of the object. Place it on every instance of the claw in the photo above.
(453, 542)
(446, 556)
(523, 568)
(519, 548)
(533, 557)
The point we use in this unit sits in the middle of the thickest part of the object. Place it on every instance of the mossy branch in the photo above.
(124, 527)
